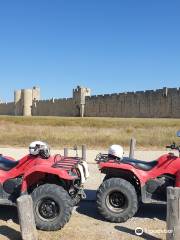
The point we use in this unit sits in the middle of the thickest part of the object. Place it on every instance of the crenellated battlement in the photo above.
(7, 108)
(150, 103)
(163, 102)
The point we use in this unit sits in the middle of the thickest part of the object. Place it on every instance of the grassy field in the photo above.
(95, 132)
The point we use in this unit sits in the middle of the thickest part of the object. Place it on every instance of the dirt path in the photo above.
(85, 223)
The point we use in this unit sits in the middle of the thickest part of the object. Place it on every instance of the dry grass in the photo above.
(95, 132)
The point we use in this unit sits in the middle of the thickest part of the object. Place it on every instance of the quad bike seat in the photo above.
(7, 164)
(142, 165)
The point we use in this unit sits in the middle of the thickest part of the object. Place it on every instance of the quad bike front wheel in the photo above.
(117, 200)
(52, 207)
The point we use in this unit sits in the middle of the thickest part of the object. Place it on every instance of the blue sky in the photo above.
(107, 45)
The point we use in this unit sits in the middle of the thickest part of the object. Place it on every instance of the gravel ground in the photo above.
(85, 221)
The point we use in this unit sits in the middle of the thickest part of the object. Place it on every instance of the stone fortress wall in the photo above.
(161, 103)
(7, 108)
(62, 107)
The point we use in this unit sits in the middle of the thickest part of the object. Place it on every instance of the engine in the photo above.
(157, 187)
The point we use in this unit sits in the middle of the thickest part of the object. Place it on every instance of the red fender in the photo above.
(140, 174)
(40, 171)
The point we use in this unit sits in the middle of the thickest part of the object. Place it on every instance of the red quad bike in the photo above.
(55, 184)
(129, 182)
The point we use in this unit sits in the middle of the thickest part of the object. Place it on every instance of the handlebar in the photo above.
(168, 146)
(173, 147)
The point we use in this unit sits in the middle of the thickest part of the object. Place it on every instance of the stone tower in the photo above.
(79, 95)
(23, 100)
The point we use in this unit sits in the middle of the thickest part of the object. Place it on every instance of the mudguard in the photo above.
(40, 171)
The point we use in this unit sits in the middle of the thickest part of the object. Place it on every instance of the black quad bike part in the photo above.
(7, 164)
(52, 207)
(117, 200)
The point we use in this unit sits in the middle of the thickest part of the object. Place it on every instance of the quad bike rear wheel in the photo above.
(52, 207)
(117, 200)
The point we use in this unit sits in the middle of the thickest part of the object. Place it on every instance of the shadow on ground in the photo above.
(9, 213)
(9, 232)
(152, 211)
(88, 207)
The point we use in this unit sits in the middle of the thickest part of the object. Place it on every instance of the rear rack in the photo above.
(67, 163)
(106, 158)
(101, 158)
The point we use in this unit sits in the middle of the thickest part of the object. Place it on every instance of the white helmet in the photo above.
(116, 151)
(39, 148)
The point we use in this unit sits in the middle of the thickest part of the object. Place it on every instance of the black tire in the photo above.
(106, 177)
(117, 200)
(52, 207)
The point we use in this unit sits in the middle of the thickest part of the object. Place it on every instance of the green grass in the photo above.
(95, 132)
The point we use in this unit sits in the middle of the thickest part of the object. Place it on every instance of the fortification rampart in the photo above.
(7, 108)
(160, 103)
(55, 107)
